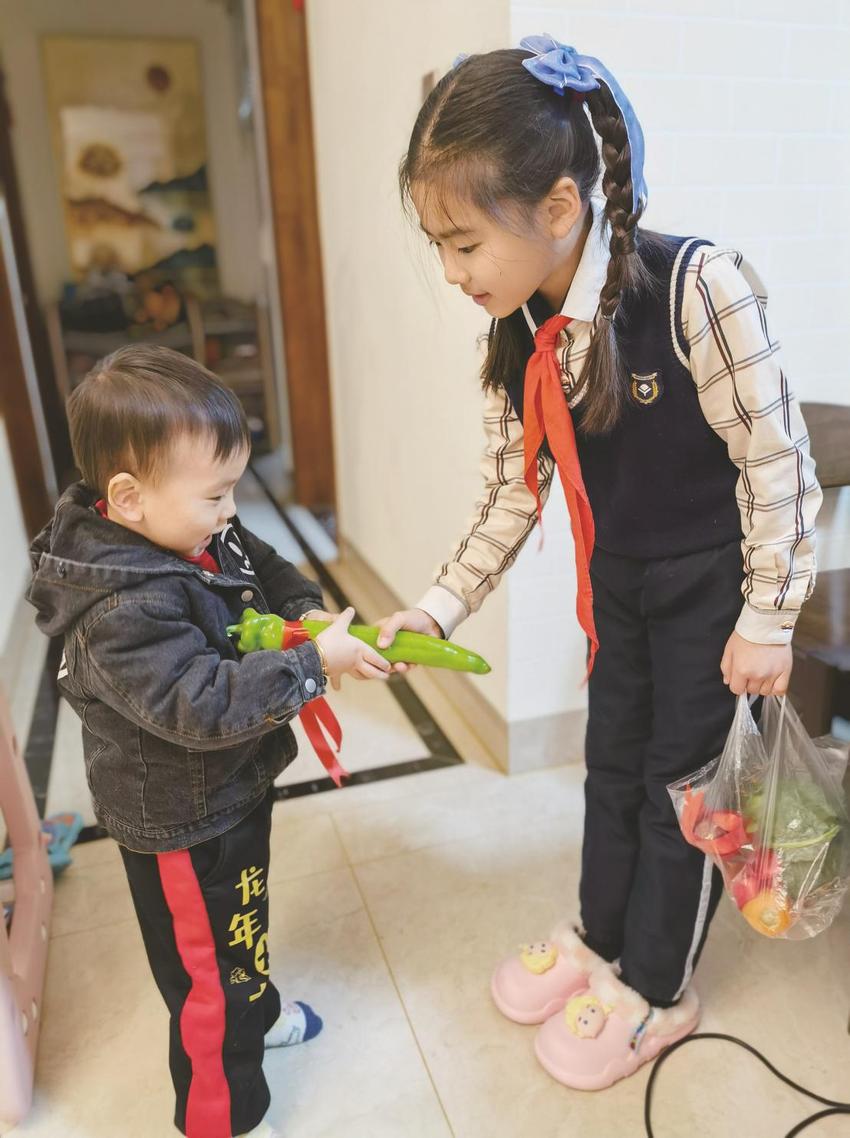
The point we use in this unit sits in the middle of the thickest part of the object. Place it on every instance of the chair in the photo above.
(820, 681)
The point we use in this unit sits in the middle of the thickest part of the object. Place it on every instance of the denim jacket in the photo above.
(182, 737)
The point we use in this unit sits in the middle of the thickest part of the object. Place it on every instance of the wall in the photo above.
(745, 106)
(232, 176)
(14, 564)
(407, 404)
(748, 141)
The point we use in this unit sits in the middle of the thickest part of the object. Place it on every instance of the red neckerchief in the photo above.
(316, 714)
(547, 414)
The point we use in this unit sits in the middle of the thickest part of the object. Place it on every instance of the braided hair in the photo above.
(492, 134)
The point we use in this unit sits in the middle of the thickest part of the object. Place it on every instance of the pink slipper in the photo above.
(536, 982)
(608, 1031)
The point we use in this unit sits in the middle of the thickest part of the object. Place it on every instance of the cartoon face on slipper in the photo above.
(538, 957)
(585, 1016)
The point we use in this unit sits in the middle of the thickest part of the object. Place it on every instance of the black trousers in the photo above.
(658, 710)
(203, 913)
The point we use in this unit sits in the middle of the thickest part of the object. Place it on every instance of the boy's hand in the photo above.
(412, 620)
(319, 614)
(346, 654)
(756, 669)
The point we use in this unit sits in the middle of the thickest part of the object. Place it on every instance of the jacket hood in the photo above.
(80, 558)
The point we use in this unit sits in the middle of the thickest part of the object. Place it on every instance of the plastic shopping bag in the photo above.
(772, 814)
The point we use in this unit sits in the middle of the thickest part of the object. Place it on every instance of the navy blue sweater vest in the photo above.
(661, 483)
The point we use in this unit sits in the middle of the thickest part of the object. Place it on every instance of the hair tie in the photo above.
(560, 67)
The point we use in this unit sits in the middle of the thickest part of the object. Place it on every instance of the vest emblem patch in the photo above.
(646, 389)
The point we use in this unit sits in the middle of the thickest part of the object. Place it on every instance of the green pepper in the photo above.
(265, 630)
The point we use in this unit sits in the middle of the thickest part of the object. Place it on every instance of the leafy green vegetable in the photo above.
(811, 839)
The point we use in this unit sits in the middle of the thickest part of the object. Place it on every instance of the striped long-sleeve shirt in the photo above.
(746, 398)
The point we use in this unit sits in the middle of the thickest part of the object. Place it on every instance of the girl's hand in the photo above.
(412, 620)
(756, 669)
(346, 654)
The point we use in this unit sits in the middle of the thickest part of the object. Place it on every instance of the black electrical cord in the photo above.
(833, 1107)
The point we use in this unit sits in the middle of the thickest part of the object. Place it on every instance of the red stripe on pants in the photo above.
(202, 1018)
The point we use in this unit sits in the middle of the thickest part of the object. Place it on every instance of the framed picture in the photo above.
(127, 121)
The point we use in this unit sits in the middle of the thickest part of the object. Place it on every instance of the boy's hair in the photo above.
(134, 404)
(492, 134)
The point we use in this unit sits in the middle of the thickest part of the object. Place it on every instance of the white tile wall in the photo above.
(746, 109)
(745, 106)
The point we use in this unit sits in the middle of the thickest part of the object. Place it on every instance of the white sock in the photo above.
(290, 1028)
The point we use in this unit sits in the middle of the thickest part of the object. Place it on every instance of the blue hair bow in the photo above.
(560, 66)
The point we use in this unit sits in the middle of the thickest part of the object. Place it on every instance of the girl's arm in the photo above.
(746, 398)
(505, 515)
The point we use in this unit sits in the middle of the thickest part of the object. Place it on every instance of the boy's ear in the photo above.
(563, 207)
(124, 495)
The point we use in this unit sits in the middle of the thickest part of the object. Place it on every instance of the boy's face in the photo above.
(190, 500)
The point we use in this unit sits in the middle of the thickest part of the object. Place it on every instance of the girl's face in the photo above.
(499, 267)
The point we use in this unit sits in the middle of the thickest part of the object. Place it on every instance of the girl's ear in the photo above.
(563, 208)
(124, 496)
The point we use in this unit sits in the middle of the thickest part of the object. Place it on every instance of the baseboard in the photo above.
(547, 741)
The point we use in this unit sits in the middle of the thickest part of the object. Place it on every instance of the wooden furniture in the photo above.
(285, 81)
(820, 681)
(229, 336)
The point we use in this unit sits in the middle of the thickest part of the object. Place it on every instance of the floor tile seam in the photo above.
(401, 1000)
(120, 921)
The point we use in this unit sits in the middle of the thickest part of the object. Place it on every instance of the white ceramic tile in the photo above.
(92, 893)
(275, 468)
(446, 913)
(481, 803)
(301, 845)
(104, 1038)
(338, 803)
(260, 516)
(105, 1032)
(364, 1075)
(376, 733)
(314, 533)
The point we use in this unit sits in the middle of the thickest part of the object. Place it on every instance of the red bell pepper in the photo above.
(718, 833)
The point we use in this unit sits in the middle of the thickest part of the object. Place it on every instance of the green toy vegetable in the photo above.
(265, 630)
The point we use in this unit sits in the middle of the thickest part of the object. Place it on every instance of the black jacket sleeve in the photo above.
(148, 661)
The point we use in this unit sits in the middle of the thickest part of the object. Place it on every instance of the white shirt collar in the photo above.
(583, 297)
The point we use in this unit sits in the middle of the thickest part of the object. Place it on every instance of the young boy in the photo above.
(142, 568)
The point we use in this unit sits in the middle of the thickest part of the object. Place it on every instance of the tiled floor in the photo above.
(390, 903)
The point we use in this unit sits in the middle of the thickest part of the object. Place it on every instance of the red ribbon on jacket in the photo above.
(316, 716)
(546, 414)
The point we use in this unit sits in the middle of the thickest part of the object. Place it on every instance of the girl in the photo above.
(641, 368)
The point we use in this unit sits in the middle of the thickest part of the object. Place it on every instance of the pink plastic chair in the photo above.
(23, 950)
